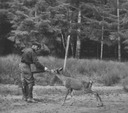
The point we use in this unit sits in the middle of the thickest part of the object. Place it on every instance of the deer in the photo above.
(71, 84)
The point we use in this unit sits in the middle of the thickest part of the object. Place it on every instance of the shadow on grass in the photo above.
(45, 100)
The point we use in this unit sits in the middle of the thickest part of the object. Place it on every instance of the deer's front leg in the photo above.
(68, 91)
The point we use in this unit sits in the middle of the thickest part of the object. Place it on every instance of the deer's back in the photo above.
(73, 83)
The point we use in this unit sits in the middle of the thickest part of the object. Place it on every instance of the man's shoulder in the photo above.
(27, 50)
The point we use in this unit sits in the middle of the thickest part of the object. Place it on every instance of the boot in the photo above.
(31, 100)
(24, 94)
(24, 98)
(24, 91)
(30, 93)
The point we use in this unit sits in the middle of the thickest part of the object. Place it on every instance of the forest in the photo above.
(96, 28)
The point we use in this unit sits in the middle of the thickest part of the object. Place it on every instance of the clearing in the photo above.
(50, 98)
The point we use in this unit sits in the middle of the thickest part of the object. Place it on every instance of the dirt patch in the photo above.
(50, 98)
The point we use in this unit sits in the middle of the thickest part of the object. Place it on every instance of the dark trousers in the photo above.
(27, 89)
(27, 80)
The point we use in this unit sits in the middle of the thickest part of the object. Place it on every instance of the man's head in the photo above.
(36, 46)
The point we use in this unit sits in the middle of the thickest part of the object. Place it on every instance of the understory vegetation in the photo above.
(102, 72)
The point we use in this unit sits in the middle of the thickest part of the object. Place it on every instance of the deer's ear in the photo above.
(60, 69)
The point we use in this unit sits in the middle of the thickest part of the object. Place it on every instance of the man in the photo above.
(29, 57)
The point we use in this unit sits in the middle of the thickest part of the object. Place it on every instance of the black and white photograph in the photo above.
(63, 56)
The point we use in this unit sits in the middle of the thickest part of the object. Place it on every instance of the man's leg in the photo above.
(24, 90)
(30, 93)
(25, 75)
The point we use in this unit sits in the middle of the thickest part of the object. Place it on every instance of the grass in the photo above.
(9, 90)
(103, 72)
(9, 69)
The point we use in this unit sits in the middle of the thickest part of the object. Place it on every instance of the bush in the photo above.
(9, 69)
(125, 84)
(105, 72)
(110, 78)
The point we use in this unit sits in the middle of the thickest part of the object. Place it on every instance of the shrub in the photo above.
(106, 72)
(125, 84)
(110, 78)
(9, 70)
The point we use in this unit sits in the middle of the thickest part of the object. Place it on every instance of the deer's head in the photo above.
(58, 70)
(87, 85)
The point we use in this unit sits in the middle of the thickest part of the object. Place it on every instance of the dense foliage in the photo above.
(51, 21)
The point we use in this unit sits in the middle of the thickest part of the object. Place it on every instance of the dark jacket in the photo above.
(29, 57)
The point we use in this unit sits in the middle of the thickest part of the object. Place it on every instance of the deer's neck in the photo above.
(61, 77)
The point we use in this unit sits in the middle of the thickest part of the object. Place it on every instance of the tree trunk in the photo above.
(102, 43)
(63, 41)
(78, 43)
(66, 54)
(118, 29)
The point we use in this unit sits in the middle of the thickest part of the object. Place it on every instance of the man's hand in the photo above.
(45, 69)
(48, 70)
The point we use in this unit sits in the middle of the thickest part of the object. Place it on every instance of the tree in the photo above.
(51, 21)
(90, 15)
(119, 9)
(27, 23)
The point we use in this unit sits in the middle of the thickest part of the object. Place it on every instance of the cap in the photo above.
(36, 43)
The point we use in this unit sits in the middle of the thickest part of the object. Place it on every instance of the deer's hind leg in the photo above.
(71, 92)
(98, 98)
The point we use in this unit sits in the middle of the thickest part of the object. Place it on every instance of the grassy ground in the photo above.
(50, 97)
(49, 100)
